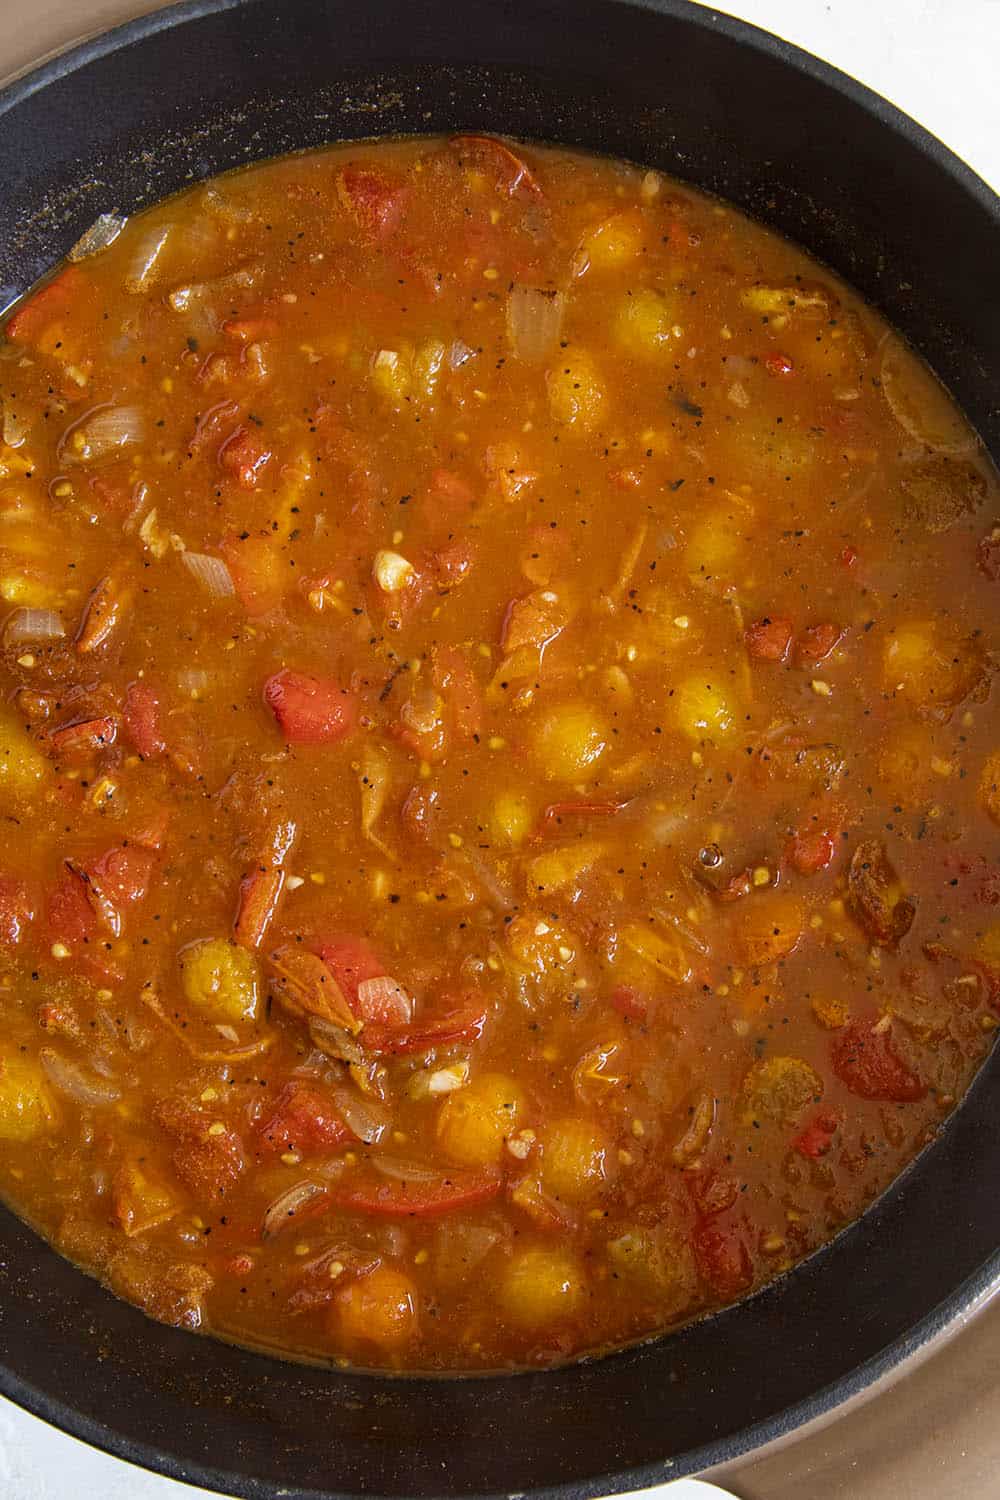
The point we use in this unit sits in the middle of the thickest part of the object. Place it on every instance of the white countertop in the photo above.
(936, 59)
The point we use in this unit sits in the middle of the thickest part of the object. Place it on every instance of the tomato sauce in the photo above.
(496, 742)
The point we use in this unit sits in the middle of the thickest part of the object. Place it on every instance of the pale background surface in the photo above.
(936, 1434)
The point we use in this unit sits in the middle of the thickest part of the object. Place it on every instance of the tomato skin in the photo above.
(86, 738)
(208, 1164)
(810, 852)
(250, 327)
(463, 1024)
(351, 960)
(375, 202)
(866, 1061)
(419, 1200)
(124, 873)
(310, 710)
(817, 1138)
(768, 639)
(244, 458)
(302, 1120)
(629, 1002)
(723, 1259)
(778, 364)
(69, 914)
(53, 300)
(17, 910)
(260, 892)
(449, 495)
(513, 175)
(142, 719)
(815, 643)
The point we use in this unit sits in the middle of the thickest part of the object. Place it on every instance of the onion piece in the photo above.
(102, 233)
(368, 1121)
(286, 1206)
(142, 266)
(431, 1083)
(374, 776)
(534, 321)
(75, 1081)
(211, 572)
(383, 1000)
(183, 298)
(404, 1171)
(33, 625)
(459, 354)
(921, 406)
(15, 428)
(100, 433)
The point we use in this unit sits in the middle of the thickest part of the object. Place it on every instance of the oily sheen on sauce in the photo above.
(497, 747)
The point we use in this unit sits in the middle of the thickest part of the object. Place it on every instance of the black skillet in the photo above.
(204, 86)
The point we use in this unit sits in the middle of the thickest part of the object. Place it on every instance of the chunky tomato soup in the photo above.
(499, 775)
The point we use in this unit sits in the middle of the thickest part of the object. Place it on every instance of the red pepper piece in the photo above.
(421, 1200)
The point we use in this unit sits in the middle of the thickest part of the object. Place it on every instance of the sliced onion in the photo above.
(374, 778)
(384, 998)
(404, 1171)
(279, 1214)
(100, 433)
(920, 404)
(459, 353)
(368, 1121)
(102, 233)
(142, 266)
(211, 572)
(75, 1081)
(33, 625)
(15, 428)
(534, 321)
(184, 297)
